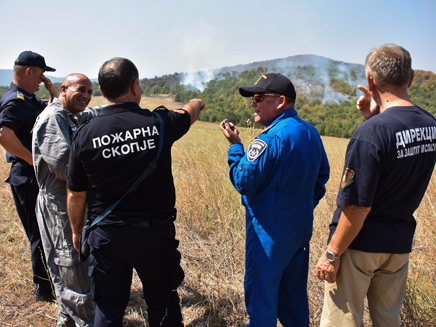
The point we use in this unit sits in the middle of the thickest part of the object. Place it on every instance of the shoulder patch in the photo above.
(20, 95)
(347, 177)
(161, 108)
(257, 147)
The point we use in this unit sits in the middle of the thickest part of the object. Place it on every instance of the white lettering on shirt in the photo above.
(406, 141)
(111, 150)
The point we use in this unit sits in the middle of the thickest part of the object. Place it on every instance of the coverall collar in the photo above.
(285, 114)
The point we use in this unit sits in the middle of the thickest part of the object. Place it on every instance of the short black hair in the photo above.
(116, 76)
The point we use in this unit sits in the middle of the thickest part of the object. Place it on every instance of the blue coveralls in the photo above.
(18, 111)
(281, 178)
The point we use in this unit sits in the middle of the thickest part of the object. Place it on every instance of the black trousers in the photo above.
(152, 252)
(25, 191)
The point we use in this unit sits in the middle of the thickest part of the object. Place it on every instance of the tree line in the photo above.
(326, 97)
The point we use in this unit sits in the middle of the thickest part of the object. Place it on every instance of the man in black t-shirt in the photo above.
(388, 165)
(107, 155)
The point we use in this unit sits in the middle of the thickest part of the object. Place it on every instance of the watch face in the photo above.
(330, 256)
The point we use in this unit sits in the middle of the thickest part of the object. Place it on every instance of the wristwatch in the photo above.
(331, 257)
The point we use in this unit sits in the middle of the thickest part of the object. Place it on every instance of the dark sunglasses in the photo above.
(258, 98)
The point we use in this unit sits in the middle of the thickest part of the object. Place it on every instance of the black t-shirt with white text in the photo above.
(112, 150)
(388, 165)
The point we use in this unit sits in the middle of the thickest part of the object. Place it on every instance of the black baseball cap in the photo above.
(273, 82)
(29, 58)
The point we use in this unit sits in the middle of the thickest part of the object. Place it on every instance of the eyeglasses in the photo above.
(258, 98)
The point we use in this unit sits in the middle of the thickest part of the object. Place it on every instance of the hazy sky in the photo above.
(168, 36)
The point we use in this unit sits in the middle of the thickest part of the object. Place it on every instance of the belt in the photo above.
(21, 163)
(23, 168)
(150, 222)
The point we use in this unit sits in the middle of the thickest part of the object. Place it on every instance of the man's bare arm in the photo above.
(194, 107)
(76, 206)
(350, 224)
(11, 143)
(50, 88)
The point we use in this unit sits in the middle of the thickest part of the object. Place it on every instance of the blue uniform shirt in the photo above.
(281, 178)
(283, 171)
(18, 111)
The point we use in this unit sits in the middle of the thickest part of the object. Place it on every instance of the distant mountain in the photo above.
(55, 79)
(336, 80)
(292, 61)
(326, 91)
(7, 76)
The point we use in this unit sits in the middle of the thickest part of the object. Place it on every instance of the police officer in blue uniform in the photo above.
(18, 111)
(281, 178)
(139, 233)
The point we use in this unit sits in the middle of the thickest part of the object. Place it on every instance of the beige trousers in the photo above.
(379, 276)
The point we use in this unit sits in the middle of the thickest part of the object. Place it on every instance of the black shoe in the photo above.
(38, 295)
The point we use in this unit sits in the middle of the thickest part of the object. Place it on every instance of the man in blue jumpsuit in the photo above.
(107, 156)
(18, 111)
(281, 178)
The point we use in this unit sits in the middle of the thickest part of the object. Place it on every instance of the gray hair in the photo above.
(389, 65)
(20, 70)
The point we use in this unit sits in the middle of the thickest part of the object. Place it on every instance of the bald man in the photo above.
(52, 136)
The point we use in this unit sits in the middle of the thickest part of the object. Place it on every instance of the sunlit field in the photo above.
(211, 230)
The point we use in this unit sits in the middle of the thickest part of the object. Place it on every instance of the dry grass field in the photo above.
(210, 228)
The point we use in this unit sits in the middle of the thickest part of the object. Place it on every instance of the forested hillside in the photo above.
(326, 97)
(326, 91)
